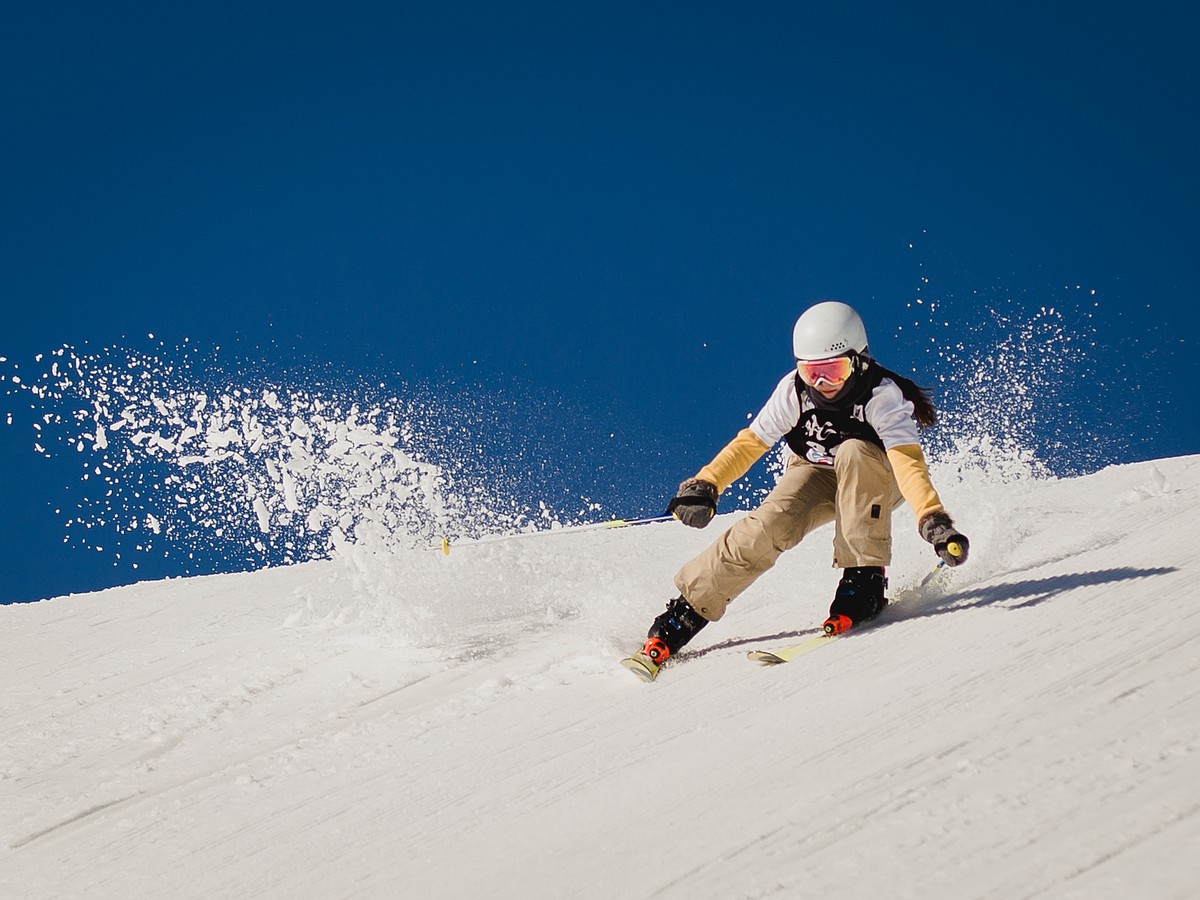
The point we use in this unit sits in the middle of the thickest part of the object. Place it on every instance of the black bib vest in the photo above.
(826, 423)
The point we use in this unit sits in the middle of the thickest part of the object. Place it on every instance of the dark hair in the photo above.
(923, 409)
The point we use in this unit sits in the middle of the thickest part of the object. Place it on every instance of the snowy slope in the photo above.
(413, 725)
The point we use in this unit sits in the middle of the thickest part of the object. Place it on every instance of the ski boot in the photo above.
(859, 598)
(669, 632)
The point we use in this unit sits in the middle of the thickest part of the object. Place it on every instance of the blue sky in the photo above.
(617, 209)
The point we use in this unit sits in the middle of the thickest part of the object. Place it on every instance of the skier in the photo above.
(852, 427)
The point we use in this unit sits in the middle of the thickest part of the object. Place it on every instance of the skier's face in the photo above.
(828, 391)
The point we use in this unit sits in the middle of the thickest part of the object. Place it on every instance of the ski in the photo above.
(787, 654)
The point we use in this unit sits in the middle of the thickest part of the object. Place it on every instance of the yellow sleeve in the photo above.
(912, 475)
(734, 460)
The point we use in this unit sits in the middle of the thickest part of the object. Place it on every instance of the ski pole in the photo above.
(941, 564)
(444, 546)
(954, 549)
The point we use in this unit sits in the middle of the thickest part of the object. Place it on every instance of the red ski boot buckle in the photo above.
(837, 625)
(656, 650)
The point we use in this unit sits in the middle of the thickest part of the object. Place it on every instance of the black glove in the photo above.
(952, 546)
(695, 502)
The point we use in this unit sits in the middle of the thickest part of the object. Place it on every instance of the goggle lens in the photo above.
(833, 372)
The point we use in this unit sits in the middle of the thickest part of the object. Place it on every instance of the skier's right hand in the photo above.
(695, 502)
(948, 542)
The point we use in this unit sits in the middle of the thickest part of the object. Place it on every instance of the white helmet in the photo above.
(828, 329)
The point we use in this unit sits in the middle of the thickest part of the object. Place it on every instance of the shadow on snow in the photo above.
(938, 602)
(1031, 592)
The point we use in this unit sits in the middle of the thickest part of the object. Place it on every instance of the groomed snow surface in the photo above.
(417, 725)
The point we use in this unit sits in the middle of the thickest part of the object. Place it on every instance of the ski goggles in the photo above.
(833, 372)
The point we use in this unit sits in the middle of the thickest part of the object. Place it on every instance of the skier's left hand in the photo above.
(948, 543)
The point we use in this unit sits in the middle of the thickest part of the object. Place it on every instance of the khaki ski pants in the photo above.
(857, 493)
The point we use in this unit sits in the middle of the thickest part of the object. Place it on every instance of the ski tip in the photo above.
(644, 668)
(765, 657)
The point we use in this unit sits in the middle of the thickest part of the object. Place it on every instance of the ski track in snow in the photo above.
(408, 724)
